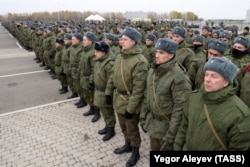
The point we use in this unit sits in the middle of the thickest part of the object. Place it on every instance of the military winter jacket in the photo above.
(58, 60)
(168, 88)
(66, 58)
(149, 53)
(75, 57)
(245, 85)
(229, 115)
(185, 55)
(239, 61)
(102, 71)
(49, 47)
(86, 66)
(128, 80)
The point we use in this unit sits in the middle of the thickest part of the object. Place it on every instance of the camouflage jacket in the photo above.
(86, 66)
(49, 47)
(168, 88)
(229, 115)
(102, 71)
(75, 57)
(128, 80)
(58, 60)
(66, 58)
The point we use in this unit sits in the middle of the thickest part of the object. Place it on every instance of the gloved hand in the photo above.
(91, 86)
(166, 146)
(108, 100)
(128, 115)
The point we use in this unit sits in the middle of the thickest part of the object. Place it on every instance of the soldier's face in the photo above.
(99, 54)
(178, 38)
(214, 81)
(126, 43)
(240, 47)
(213, 53)
(86, 42)
(162, 57)
(149, 42)
(75, 41)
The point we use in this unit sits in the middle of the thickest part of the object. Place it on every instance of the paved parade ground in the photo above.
(40, 128)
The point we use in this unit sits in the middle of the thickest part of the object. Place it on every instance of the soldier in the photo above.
(214, 117)
(240, 51)
(246, 32)
(38, 48)
(149, 50)
(65, 65)
(110, 40)
(103, 68)
(86, 69)
(226, 37)
(167, 90)
(127, 83)
(184, 54)
(198, 47)
(50, 50)
(75, 57)
(216, 48)
(244, 85)
(205, 34)
(58, 64)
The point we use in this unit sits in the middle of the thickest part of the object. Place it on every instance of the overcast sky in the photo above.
(206, 9)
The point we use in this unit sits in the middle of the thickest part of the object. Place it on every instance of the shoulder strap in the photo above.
(213, 129)
(123, 81)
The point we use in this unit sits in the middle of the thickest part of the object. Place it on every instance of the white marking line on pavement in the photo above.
(36, 107)
(12, 75)
(10, 35)
(19, 45)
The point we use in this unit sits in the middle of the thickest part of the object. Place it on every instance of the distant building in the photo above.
(139, 14)
(248, 16)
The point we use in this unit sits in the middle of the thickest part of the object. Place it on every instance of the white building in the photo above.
(248, 16)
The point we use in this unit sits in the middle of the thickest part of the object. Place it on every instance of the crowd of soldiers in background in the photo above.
(52, 47)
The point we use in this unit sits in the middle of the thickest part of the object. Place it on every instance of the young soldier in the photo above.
(102, 71)
(167, 90)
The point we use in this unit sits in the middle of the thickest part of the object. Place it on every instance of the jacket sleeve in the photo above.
(180, 91)
(139, 75)
(110, 85)
(92, 65)
(239, 136)
(180, 138)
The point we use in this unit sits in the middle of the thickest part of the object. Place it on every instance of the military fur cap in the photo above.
(60, 41)
(110, 36)
(102, 46)
(78, 36)
(199, 38)
(132, 33)
(180, 31)
(242, 40)
(218, 45)
(226, 35)
(68, 36)
(91, 36)
(50, 28)
(151, 37)
(196, 32)
(167, 45)
(222, 66)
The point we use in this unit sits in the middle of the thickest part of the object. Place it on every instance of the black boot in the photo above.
(110, 133)
(65, 90)
(82, 103)
(97, 115)
(125, 148)
(103, 131)
(74, 95)
(61, 89)
(42, 65)
(78, 102)
(90, 112)
(54, 76)
(135, 156)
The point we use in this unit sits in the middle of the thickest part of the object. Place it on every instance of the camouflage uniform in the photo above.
(168, 88)
(102, 72)
(230, 117)
(130, 66)
(58, 66)
(50, 50)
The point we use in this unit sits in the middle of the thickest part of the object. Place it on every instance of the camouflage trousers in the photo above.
(130, 129)
(88, 95)
(63, 79)
(155, 144)
(70, 84)
(76, 85)
(108, 114)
